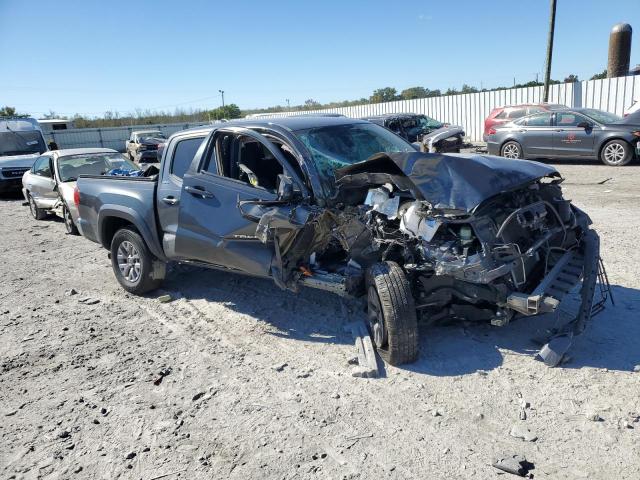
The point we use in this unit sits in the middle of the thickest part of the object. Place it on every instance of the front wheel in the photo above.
(616, 153)
(511, 150)
(391, 312)
(135, 267)
(37, 213)
(69, 224)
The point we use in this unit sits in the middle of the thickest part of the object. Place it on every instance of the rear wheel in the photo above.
(511, 150)
(37, 213)
(135, 267)
(392, 313)
(69, 224)
(616, 153)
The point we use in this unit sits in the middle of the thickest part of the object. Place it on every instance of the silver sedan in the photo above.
(49, 185)
(576, 133)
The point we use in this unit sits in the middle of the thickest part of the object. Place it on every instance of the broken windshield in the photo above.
(21, 142)
(341, 145)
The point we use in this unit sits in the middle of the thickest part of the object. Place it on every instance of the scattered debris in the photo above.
(520, 431)
(197, 396)
(435, 413)
(368, 364)
(71, 292)
(514, 464)
(165, 298)
(279, 367)
(131, 455)
(163, 373)
(636, 368)
(89, 301)
(594, 417)
(602, 182)
(335, 395)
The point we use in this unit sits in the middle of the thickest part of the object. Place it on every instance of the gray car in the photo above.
(573, 133)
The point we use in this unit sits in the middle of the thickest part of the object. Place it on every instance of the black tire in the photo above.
(512, 150)
(392, 315)
(616, 153)
(37, 213)
(69, 224)
(141, 271)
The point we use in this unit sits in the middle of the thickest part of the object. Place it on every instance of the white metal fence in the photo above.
(470, 110)
(112, 137)
(467, 110)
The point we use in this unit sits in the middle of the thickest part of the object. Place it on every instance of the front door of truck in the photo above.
(240, 165)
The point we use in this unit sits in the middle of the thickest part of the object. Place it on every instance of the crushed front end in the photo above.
(478, 238)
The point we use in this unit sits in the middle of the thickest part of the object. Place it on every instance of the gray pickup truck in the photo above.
(347, 206)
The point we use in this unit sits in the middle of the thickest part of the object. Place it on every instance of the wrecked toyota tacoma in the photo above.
(346, 206)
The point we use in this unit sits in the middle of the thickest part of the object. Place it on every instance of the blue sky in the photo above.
(92, 56)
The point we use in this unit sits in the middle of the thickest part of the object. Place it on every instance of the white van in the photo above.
(21, 142)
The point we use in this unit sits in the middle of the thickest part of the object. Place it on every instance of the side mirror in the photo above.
(585, 125)
(285, 187)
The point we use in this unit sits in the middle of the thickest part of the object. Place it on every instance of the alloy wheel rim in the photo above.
(129, 262)
(376, 318)
(614, 153)
(511, 151)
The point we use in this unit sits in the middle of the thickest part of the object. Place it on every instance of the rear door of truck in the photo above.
(178, 156)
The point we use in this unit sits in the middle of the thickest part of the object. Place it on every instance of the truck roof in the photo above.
(293, 123)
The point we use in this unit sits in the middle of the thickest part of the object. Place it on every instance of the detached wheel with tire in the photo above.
(37, 213)
(135, 267)
(511, 150)
(616, 153)
(391, 312)
(69, 224)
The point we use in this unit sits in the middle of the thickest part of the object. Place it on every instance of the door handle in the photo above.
(170, 200)
(199, 192)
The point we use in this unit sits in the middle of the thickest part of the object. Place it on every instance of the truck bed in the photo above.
(110, 201)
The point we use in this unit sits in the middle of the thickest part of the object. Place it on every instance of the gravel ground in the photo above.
(237, 379)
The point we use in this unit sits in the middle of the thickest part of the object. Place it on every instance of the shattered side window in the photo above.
(341, 145)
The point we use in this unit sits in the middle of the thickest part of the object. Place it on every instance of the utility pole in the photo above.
(288, 105)
(222, 93)
(547, 72)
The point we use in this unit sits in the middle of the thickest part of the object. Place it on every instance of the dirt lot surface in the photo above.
(237, 379)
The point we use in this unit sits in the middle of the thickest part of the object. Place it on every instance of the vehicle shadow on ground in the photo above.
(610, 341)
(310, 315)
(11, 196)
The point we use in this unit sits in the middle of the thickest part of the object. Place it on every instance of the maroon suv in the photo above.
(509, 113)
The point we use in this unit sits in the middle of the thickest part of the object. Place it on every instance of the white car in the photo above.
(50, 184)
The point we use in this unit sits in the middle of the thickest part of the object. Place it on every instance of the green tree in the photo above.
(468, 89)
(414, 92)
(227, 112)
(600, 76)
(451, 91)
(571, 78)
(386, 94)
(7, 111)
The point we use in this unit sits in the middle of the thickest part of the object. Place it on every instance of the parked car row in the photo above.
(341, 205)
(556, 132)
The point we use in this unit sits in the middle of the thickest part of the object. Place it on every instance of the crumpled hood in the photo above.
(18, 160)
(450, 182)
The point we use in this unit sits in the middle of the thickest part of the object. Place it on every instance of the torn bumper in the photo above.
(560, 341)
